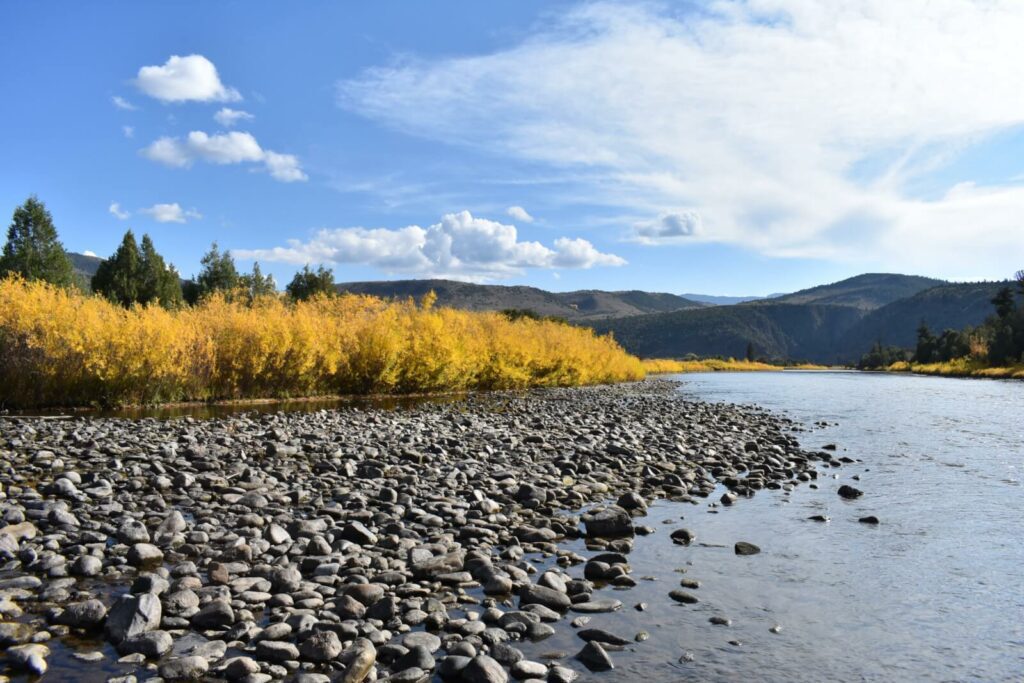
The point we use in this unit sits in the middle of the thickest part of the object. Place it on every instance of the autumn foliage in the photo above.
(63, 347)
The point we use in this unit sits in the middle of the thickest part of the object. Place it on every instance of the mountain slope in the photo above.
(716, 300)
(576, 306)
(951, 306)
(85, 266)
(824, 333)
(780, 331)
(867, 292)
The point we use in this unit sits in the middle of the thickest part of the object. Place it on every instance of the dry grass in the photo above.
(961, 367)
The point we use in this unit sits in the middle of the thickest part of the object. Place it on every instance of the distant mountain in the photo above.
(838, 331)
(713, 300)
(868, 291)
(777, 331)
(84, 265)
(590, 304)
(950, 306)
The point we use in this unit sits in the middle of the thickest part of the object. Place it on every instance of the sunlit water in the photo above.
(933, 593)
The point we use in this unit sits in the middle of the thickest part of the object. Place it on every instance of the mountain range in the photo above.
(831, 323)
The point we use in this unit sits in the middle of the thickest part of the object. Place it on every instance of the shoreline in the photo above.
(363, 538)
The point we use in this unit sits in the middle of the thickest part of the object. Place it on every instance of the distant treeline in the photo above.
(998, 342)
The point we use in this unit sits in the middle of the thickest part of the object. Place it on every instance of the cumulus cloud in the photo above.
(122, 103)
(781, 123)
(229, 117)
(668, 226)
(89, 253)
(234, 147)
(117, 212)
(460, 245)
(171, 213)
(519, 214)
(184, 79)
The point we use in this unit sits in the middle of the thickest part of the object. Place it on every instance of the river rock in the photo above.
(484, 669)
(594, 657)
(744, 548)
(612, 522)
(132, 615)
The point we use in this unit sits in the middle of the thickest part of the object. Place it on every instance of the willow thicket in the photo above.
(62, 347)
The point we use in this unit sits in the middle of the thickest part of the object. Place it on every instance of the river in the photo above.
(935, 592)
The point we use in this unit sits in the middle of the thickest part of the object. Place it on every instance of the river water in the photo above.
(935, 592)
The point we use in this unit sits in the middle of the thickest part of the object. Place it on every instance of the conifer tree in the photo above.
(219, 274)
(307, 283)
(159, 281)
(120, 276)
(256, 284)
(33, 250)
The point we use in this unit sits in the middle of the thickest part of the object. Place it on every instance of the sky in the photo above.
(725, 147)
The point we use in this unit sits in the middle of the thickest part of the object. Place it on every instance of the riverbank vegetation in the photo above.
(662, 366)
(138, 334)
(65, 347)
(993, 349)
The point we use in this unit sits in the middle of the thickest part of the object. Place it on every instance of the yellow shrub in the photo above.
(665, 365)
(66, 348)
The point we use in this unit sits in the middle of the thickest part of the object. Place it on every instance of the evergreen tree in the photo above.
(158, 280)
(925, 352)
(750, 351)
(218, 275)
(33, 249)
(1004, 303)
(120, 276)
(307, 283)
(256, 284)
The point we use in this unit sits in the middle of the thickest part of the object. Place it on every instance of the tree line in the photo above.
(999, 340)
(136, 273)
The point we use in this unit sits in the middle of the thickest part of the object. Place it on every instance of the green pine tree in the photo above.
(218, 275)
(307, 283)
(119, 278)
(159, 281)
(256, 284)
(33, 249)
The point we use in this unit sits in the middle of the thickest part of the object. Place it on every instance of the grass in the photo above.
(656, 366)
(960, 367)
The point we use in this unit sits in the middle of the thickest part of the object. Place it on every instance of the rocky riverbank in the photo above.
(356, 544)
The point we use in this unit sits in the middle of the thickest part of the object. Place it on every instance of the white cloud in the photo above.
(284, 167)
(228, 117)
(669, 226)
(791, 127)
(169, 152)
(184, 79)
(171, 213)
(224, 148)
(233, 147)
(122, 103)
(89, 253)
(129, 131)
(116, 211)
(519, 214)
(460, 245)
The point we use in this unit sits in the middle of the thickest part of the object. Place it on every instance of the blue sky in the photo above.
(749, 148)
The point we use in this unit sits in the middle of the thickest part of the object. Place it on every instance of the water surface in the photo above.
(933, 593)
